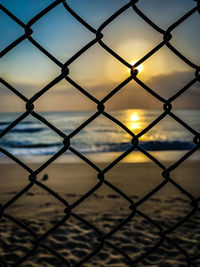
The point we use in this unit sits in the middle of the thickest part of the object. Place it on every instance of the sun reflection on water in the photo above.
(134, 117)
(134, 121)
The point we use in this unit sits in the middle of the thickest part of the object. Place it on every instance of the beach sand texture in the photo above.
(105, 209)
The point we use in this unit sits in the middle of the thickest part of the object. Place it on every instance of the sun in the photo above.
(139, 68)
(134, 117)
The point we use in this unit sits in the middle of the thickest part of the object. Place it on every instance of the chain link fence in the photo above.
(102, 239)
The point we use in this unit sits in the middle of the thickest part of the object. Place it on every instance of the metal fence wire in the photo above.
(101, 179)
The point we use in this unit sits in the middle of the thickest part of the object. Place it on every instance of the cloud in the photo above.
(172, 81)
(168, 85)
(131, 96)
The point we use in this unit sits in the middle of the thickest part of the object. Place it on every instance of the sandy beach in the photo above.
(105, 209)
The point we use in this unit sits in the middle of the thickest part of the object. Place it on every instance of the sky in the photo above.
(29, 70)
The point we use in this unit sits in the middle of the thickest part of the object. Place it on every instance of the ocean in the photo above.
(32, 139)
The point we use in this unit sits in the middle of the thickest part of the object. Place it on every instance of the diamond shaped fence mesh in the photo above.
(99, 240)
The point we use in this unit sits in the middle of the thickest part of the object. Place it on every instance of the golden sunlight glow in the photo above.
(131, 51)
(134, 121)
(134, 117)
(139, 68)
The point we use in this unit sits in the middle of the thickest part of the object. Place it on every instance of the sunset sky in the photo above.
(28, 70)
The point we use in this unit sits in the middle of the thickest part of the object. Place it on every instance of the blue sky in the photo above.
(28, 70)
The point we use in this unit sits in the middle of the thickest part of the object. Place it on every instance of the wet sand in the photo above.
(105, 209)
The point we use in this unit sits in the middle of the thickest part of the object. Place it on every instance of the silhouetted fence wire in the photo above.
(101, 110)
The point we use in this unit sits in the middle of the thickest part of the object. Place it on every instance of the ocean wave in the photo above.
(9, 122)
(147, 145)
(5, 123)
(166, 145)
(22, 127)
(14, 144)
(26, 130)
(18, 148)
